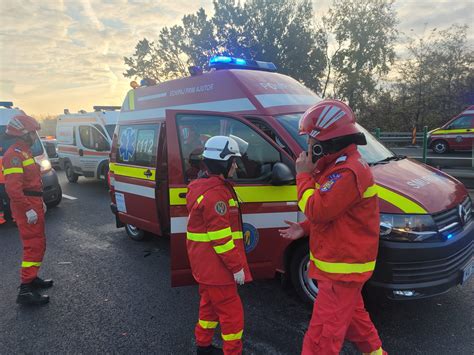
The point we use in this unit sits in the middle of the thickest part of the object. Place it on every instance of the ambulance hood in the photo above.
(427, 187)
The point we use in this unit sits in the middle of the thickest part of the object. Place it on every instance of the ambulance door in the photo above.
(94, 148)
(461, 133)
(134, 172)
(264, 205)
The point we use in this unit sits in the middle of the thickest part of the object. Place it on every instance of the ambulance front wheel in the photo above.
(440, 146)
(70, 174)
(306, 287)
(135, 233)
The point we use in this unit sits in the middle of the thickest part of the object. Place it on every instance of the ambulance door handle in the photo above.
(182, 195)
(147, 173)
(468, 130)
(81, 152)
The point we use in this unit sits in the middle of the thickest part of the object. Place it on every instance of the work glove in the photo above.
(239, 277)
(45, 209)
(31, 216)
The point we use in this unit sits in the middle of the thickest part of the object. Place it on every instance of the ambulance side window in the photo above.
(462, 122)
(256, 163)
(138, 145)
(85, 134)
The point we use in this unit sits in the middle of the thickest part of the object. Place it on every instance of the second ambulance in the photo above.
(426, 230)
(84, 141)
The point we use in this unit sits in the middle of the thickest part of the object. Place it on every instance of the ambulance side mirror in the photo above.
(282, 175)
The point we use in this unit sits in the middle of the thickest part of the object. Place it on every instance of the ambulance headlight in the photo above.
(45, 165)
(406, 227)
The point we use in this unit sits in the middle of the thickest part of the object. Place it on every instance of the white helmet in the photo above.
(221, 148)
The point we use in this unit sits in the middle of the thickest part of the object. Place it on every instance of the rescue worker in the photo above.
(216, 249)
(2, 214)
(337, 194)
(24, 188)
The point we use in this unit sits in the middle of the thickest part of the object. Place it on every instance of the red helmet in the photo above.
(328, 119)
(22, 124)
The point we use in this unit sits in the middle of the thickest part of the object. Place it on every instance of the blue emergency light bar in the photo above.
(7, 104)
(225, 62)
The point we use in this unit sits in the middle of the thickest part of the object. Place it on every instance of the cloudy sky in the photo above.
(57, 54)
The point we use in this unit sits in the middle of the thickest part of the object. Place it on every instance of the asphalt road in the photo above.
(113, 295)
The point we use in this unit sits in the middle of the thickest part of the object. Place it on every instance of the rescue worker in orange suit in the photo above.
(337, 194)
(216, 249)
(24, 188)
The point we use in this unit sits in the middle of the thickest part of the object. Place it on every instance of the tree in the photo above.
(365, 33)
(435, 80)
(281, 31)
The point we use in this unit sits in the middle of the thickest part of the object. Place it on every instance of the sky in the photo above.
(57, 54)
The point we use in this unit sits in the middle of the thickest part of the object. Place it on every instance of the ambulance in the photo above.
(52, 193)
(83, 142)
(426, 230)
(456, 134)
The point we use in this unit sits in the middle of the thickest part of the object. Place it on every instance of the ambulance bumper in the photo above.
(407, 271)
(113, 208)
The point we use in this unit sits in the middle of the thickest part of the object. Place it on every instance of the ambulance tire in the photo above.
(135, 233)
(70, 174)
(305, 287)
(440, 146)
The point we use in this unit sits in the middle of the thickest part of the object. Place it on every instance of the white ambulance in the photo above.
(84, 141)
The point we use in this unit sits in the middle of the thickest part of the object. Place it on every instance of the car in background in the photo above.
(456, 134)
(50, 144)
(52, 193)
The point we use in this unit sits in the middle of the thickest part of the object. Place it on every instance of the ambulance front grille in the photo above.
(449, 221)
(426, 271)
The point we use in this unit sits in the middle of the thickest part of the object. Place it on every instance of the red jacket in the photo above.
(21, 174)
(214, 233)
(342, 211)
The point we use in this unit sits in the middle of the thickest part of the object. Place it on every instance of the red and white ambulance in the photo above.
(456, 134)
(426, 228)
(84, 141)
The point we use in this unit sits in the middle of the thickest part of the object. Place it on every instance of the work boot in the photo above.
(28, 295)
(39, 283)
(209, 350)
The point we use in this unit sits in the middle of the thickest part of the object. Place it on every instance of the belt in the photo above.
(33, 193)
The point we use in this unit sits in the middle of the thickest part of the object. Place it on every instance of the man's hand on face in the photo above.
(304, 163)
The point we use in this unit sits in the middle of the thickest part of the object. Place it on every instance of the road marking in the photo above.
(69, 197)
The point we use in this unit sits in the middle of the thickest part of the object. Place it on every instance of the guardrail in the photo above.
(398, 137)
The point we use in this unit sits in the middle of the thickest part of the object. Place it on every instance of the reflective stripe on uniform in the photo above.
(379, 351)
(370, 192)
(207, 324)
(233, 203)
(28, 162)
(399, 201)
(197, 237)
(304, 199)
(220, 234)
(30, 264)
(237, 235)
(220, 249)
(342, 268)
(132, 171)
(235, 336)
(9, 171)
(199, 199)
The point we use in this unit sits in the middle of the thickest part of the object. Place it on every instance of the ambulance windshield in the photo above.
(6, 142)
(373, 152)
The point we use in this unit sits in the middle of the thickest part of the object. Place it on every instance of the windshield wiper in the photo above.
(388, 159)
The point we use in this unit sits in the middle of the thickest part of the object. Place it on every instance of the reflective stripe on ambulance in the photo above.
(136, 173)
(401, 202)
